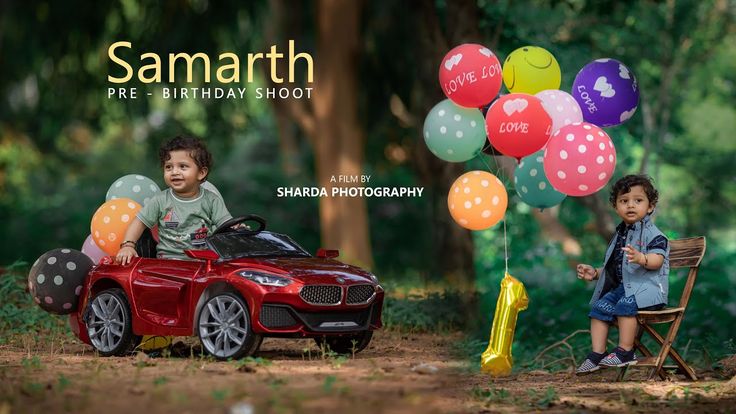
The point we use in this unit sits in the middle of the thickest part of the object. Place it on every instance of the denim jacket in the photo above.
(649, 287)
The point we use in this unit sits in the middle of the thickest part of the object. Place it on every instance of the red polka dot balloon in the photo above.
(470, 75)
(517, 125)
(56, 278)
(579, 159)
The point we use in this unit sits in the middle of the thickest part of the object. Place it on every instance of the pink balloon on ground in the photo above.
(92, 250)
(561, 107)
(579, 159)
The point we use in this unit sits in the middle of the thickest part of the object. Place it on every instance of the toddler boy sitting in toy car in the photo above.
(186, 213)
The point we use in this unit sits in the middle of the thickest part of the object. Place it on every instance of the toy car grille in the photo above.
(321, 294)
(276, 317)
(359, 294)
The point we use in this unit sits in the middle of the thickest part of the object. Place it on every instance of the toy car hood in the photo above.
(309, 267)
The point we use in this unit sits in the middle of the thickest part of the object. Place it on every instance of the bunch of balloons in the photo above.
(555, 136)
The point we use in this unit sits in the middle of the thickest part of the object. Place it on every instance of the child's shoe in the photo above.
(619, 358)
(590, 364)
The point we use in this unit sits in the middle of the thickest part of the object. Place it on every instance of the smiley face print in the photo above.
(531, 69)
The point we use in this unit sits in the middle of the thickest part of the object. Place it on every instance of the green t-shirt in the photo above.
(183, 223)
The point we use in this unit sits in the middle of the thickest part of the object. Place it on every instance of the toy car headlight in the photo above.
(266, 279)
(373, 277)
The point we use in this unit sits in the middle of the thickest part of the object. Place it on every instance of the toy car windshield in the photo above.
(264, 244)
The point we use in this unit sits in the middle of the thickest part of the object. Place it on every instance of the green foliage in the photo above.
(437, 311)
(19, 314)
(490, 395)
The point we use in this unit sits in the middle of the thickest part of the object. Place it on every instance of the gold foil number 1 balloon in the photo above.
(512, 299)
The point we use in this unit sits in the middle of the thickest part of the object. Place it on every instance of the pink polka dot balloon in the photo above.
(561, 107)
(579, 159)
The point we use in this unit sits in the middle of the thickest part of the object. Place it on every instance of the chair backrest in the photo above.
(687, 252)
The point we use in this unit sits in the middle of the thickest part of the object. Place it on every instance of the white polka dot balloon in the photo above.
(454, 133)
(579, 159)
(532, 185)
(136, 187)
(56, 278)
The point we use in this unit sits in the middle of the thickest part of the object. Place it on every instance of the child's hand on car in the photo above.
(586, 272)
(125, 255)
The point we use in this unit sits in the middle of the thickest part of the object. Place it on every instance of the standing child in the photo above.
(633, 277)
(185, 212)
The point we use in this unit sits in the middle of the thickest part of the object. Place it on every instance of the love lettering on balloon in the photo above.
(512, 299)
(518, 125)
(607, 91)
(470, 75)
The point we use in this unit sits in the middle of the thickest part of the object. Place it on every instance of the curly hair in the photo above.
(623, 186)
(195, 146)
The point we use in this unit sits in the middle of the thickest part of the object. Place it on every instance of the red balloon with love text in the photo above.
(470, 75)
(517, 125)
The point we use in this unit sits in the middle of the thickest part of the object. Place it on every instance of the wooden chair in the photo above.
(683, 253)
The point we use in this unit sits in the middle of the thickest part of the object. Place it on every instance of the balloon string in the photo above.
(499, 172)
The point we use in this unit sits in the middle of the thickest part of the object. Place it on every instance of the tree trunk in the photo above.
(452, 245)
(337, 137)
(330, 121)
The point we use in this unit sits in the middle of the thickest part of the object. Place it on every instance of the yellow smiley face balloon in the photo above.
(531, 69)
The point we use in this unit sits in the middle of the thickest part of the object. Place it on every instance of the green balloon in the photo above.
(136, 187)
(532, 185)
(454, 133)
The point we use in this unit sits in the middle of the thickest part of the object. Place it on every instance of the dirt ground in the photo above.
(398, 373)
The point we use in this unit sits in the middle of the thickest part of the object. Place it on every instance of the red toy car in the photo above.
(246, 285)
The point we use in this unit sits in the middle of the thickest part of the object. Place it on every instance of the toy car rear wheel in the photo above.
(109, 323)
(346, 344)
(224, 327)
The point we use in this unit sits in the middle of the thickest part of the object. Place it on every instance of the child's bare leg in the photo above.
(626, 332)
(598, 335)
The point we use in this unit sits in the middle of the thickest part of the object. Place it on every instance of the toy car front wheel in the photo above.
(224, 327)
(109, 323)
(346, 344)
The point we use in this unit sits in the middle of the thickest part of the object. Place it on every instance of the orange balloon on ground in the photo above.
(477, 200)
(111, 221)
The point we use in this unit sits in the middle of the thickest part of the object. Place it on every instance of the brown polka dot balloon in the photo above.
(56, 279)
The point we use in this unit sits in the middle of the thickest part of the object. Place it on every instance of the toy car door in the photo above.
(161, 291)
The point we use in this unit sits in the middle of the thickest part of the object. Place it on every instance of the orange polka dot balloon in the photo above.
(477, 200)
(111, 221)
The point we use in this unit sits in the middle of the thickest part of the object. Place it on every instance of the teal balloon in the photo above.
(454, 133)
(532, 185)
(136, 187)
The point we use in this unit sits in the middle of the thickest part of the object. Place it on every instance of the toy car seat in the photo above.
(146, 245)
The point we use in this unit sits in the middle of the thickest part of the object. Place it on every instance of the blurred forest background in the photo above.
(63, 142)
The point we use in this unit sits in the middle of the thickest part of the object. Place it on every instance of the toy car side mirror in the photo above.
(202, 254)
(327, 254)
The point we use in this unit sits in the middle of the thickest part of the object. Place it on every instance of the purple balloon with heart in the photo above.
(607, 92)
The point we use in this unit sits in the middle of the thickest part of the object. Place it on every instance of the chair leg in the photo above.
(647, 353)
(672, 352)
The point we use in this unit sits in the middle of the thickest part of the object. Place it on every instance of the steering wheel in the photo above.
(226, 227)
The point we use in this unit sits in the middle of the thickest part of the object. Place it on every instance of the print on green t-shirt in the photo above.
(183, 223)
